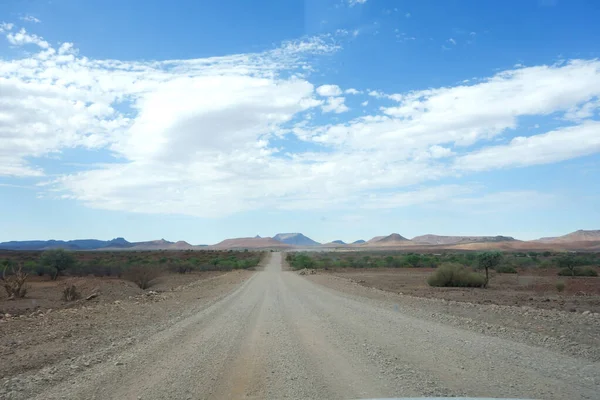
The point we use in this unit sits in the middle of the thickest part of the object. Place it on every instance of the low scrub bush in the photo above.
(14, 284)
(560, 286)
(142, 276)
(455, 275)
(70, 293)
(506, 269)
(586, 271)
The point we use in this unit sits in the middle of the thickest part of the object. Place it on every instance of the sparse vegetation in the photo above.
(506, 269)
(510, 262)
(455, 275)
(567, 263)
(560, 286)
(70, 293)
(143, 276)
(57, 259)
(14, 283)
(577, 271)
(486, 261)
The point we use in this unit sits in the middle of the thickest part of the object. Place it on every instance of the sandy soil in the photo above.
(44, 294)
(535, 288)
(275, 334)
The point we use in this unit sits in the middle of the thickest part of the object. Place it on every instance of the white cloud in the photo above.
(558, 145)
(335, 104)
(196, 136)
(329, 90)
(22, 38)
(365, 103)
(5, 26)
(581, 112)
(352, 3)
(352, 91)
(440, 152)
(376, 93)
(452, 41)
(30, 18)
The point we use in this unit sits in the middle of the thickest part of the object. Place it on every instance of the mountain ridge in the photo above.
(446, 240)
(584, 239)
(295, 239)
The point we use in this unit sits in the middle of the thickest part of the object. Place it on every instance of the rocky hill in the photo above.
(295, 239)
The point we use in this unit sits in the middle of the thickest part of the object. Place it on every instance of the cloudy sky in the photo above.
(341, 119)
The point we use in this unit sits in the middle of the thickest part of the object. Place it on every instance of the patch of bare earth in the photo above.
(46, 331)
(532, 289)
(525, 308)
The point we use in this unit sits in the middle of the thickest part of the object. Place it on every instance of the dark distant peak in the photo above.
(257, 237)
(360, 241)
(338, 242)
(119, 240)
(394, 237)
(295, 239)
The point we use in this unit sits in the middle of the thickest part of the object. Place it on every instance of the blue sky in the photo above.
(341, 119)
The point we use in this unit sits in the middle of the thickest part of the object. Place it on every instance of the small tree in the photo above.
(568, 262)
(488, 260)
(57, 259)
(413, 260)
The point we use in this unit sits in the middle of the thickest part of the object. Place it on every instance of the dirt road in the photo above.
(278, 335)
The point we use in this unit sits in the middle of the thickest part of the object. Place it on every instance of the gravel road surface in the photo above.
(279, 335)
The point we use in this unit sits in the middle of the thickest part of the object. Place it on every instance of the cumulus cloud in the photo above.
(5, 26)
(335, 104)
(352, 91)
(329, 90)
(21, 38)
(352, 3)
(204, 136)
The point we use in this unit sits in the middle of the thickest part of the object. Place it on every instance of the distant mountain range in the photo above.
(435, 239)
(94, 244)
(81, 244)
(581, 239)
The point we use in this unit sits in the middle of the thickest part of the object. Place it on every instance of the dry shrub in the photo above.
(14, 284)
(455, 275)
(70, 293)
(143, 276)
(560, 286)
(585, 271)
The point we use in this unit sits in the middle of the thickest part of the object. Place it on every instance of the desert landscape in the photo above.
(266, 317)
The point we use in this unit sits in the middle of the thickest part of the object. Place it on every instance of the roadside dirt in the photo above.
(45, 336)
(276, 334)
(535, 289)
(575, 334)
(45, 294)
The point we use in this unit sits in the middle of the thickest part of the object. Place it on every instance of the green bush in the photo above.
(455, 275)
(57, 259)
(560, 286)
(506, 269)
(586, 271)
